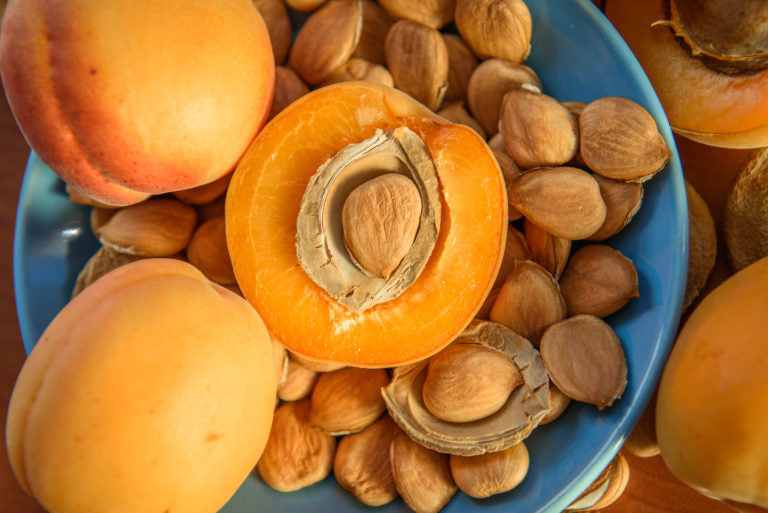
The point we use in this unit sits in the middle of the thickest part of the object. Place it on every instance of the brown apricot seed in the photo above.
(598, 280)
(297, 454)
(564, 201)
(620, 140)
(585, 360)
(347, 400)
(492, 473)
(422, 476)
(468, 382)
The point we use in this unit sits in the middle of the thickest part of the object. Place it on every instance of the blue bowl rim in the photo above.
(608, 450)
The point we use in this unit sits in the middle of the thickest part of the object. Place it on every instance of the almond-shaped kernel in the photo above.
(207, 250)
(456, 113)
(488, 84)
(510, 170)
(622, 201)
(278, 23)
(297, 454)
(584, 358)
(702, 239)
(418, 60)
(558, 402)
(75, 195)
(642, 440)
(598, 280)
(606, 488)
(281, 361)
(422, 476)
(299, 382)
(380, 219)
(360, 69)
(495, 28)
(348, 400)
(210, 210)
(103, 261)
(432, 13)
(468, 382)
(326, 40)
(204, 193)
(362, 464)
(289, 87)
(305, 5)
(315, 365)
(157, 227)
(745, 216)
(576, 108)
(538, 131)
(491, 473)
(496, 143)
(99, 217)
(619, 139)
(564, 201)
(461, 63)
(548, 251)
(516, 249)
(529, 301)
(376, 24)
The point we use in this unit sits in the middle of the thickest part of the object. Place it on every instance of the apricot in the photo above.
(708, 106)
(152, 390)
(124, 99)
(266, 195)
(712, 406)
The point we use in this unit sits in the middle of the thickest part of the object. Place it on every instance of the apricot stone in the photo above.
(128, 98)
(152, 390)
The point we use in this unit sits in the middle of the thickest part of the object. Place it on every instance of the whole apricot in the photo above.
(712, 408)
(152, 390)
(128, 98)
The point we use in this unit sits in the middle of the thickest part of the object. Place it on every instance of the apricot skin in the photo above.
(712, 408)
(153, 390)
(124, 99)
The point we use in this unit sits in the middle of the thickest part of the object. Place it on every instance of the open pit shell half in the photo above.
(525, 408)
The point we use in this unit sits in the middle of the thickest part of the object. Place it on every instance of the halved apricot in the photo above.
(264, 201)
(702, 104)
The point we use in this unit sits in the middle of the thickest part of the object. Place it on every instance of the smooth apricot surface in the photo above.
(152, 390)
(705, 105)
(263, 203)
(712, 408)
(126, 98)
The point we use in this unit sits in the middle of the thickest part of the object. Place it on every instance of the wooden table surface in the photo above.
(652, 487)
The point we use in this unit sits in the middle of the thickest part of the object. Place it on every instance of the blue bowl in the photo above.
(578, 56)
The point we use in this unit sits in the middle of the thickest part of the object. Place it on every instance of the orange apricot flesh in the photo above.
(712, 107)
(263, 203)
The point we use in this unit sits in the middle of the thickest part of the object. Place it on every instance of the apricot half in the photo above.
(129, 98)
(269, 191)
(712, 407)
(152, 390)
(703, 104)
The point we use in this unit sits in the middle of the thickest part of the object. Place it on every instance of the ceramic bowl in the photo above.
(578, 56)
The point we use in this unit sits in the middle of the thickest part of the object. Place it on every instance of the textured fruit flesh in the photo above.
(263, 203)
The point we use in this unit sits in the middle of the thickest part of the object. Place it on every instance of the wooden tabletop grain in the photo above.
(652, 487)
